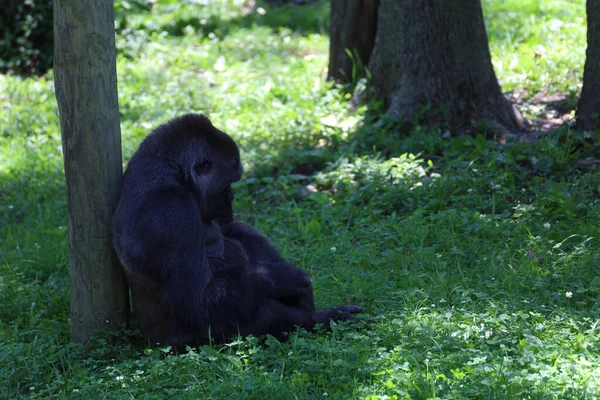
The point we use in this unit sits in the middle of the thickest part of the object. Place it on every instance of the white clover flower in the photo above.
(547, 225)
(569, 295)
(333, 249)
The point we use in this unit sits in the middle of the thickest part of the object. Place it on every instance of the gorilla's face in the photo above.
(211, 178)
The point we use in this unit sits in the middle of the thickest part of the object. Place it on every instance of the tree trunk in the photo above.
(435, 53)
(588, 110)
(353, 28)
(86, 91)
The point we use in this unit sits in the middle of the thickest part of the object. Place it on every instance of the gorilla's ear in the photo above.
(213, 240)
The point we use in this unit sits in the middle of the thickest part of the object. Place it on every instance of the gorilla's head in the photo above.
(204, 159)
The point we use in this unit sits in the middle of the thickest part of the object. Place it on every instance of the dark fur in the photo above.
(195, 273)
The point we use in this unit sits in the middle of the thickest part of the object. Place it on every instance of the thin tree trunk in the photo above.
(588, 110)
(353, 29)
(86, 91)
(435, 53)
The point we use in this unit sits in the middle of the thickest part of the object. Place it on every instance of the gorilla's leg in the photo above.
(277, 318)
(274, 317)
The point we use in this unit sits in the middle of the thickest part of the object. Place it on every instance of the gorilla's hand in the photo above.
(224, 214)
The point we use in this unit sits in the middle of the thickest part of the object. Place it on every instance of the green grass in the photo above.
(461, 251)
(537, 46)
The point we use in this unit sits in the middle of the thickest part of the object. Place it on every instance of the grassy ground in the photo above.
(477, 262)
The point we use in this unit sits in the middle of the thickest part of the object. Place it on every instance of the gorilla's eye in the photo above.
(202, 167)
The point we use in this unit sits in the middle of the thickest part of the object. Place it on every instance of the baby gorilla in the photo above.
(196, 275)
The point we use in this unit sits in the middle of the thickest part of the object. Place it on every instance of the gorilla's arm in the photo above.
(166, 242)
(168, 232)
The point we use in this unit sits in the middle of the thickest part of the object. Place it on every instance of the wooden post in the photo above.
(86, 91)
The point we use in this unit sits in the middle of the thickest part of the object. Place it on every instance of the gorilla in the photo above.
(197, 275)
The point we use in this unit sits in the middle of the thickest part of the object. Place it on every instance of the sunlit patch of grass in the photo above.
(537, 45)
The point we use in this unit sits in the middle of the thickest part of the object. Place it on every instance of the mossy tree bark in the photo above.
(588, 110)
(86, 92)
(435, 53)
(353, 29)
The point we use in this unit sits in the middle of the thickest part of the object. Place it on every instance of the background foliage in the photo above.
(26, 44)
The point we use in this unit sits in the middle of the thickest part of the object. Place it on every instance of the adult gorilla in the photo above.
(196, 275)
